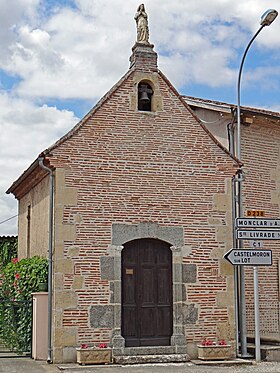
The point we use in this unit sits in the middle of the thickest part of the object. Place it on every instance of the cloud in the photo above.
(13, 13)
(26, 130)
(90, 45)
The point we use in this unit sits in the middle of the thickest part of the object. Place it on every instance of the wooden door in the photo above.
(147, 293)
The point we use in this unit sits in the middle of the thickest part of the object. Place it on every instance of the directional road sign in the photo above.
(257, 223)
(249, 257)
(242, 234)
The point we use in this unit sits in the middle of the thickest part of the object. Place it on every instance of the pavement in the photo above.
(27, 365)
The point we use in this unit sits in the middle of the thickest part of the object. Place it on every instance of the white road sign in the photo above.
(249, 257)
(257, 223)
(242, 234)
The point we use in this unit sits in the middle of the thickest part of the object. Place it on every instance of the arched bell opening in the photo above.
(145, 93)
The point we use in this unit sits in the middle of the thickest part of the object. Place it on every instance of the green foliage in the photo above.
(18, 280)
(8, 250)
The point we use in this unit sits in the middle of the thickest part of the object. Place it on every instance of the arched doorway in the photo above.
(147, 306)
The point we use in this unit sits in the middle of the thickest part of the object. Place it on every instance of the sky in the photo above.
(59, 57)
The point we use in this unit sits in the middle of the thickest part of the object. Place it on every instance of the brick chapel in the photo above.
(142, 217)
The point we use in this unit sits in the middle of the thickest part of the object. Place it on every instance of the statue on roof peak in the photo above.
(141, 19)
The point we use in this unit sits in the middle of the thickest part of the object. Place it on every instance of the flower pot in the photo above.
(215, 352)
(43, 286)
(92, 355)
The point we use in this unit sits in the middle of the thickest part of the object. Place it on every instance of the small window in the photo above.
(28, 217)
(145, 94)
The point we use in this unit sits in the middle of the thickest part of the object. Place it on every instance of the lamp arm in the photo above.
(238, 146)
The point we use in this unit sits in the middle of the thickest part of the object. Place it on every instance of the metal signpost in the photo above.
(255, 230)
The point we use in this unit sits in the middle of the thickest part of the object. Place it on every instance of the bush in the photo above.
(18, 280)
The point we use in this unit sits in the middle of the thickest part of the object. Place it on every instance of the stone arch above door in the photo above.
(122, 233)
(174, 235)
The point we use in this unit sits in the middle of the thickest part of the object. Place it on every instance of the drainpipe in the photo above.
(50, 259)
(231, 129)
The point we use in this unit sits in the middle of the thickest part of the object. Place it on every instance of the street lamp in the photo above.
(267, 18)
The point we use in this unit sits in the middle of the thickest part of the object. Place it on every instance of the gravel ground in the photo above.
(183, 368)
(26, 365)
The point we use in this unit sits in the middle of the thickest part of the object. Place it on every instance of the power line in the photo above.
(4, 221)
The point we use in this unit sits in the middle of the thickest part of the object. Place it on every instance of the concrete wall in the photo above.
(216, 122)
(38, 200)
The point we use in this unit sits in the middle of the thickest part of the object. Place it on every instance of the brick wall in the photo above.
(131, 167)
(261, 149)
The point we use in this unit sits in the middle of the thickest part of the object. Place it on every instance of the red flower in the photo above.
(207, 342)
(222, 342)
(102, 345)
(83, 345)
(15, 283)
(17, 276)
(15, 260)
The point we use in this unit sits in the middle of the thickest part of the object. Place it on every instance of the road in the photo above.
(26, 365)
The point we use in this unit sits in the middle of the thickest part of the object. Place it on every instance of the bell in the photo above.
(144, 97)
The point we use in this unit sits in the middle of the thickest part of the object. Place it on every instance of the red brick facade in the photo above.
(127, 170)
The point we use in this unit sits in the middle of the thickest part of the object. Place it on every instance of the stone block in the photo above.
(65, 232)
(178, 292)
(57, 355)
(184, 314)
(58, 281)
(189, 314)
(226, 269)
(73, 251)
(225, 299)
(78, 282)
(189, 273)
(224, 234)
(126, 232)
(69, 355)
(67, 196)
(222, 202)
(186, 250)
(65, 337)
(177, 272)
(217, 253)
(107, 264)
(65, 266)
(102, 316)
(65, 299)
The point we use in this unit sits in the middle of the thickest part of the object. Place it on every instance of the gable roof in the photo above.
(138, 52)
(227, 108)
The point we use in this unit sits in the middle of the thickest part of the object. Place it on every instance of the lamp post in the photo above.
(267, 18)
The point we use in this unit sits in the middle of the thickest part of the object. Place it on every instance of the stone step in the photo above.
(268, 352)
(142, 359)
(150, 350)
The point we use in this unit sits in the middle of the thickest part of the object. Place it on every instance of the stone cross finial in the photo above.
(141, 19)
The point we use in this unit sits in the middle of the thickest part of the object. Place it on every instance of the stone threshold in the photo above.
(152, 358)
(149, 350)
(224, 362)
